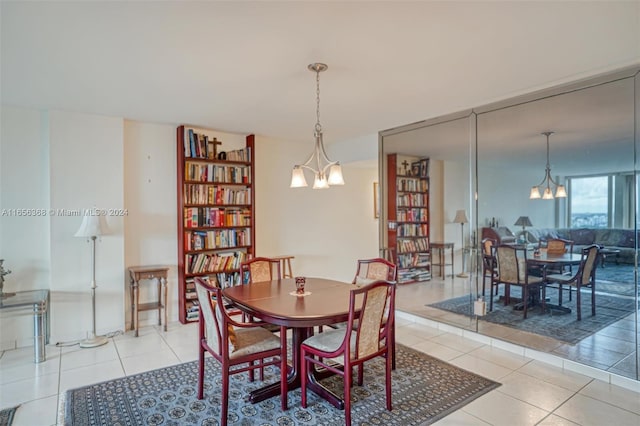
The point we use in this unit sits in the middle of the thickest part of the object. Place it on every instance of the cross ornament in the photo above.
(405, 164)
(215, 144)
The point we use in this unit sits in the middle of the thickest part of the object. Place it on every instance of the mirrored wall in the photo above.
(486, 161)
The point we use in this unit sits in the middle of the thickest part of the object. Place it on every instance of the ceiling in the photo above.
(242, 66)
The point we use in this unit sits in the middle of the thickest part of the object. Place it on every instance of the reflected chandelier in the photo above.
(318, 162)
(547, 193)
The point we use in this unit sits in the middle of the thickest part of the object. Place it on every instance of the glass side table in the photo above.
(35, 302)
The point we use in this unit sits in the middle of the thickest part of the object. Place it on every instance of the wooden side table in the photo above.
(155, 272)
(285, 265)
(441, 247)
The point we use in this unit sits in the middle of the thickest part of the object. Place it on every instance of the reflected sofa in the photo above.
(612, 238)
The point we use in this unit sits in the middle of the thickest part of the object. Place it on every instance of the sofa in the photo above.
(611, 238)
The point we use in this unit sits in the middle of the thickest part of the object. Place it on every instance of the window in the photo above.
(590, 204)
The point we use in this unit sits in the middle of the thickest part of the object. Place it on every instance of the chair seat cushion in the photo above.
(253, 340)
(559, 278)
(330, 341)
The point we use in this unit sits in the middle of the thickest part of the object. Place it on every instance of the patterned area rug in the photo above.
(558, 325)
(425, 389)
(6, 416)
(616, 279)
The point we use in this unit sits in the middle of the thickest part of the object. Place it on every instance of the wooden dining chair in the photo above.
(355, 346)
(489, 266)
(370, 270)
(585, 277)
(512, 270)
(260, 269)
(558, 246)
(237, 346)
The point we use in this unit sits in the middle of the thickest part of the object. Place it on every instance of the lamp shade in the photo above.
(92, 226)
(461, 217)
(297, 178)
(523, 221)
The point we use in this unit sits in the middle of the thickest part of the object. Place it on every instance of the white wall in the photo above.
(24, 240)
(326, 230)
(56, 161)
(86, 170)
(150, 227)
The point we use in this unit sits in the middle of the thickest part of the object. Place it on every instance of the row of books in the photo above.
(414, 260)
(192, 304)
(195, 217)
(216, 173)
(412, 200)
(206, 194)
(413, 230)
(413, 274)
(198, 145)
(413, 245)
(413, 215)
(414, 185)
(221, 238)
(213, 262)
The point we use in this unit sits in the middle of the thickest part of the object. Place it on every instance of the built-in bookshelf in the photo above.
(408, 216)
(215, 211)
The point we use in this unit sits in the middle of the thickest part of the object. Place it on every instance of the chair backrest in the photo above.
(260, 269)
(376, 316)
(512, 268)
(213, 318)
(488, 254)
(588, 264)
(559, 246)
(370, 270)
(488, 246)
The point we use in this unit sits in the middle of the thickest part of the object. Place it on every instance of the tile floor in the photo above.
(538, 388)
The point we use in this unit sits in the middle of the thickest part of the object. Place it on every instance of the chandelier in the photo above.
(318, 162)
(547, 193)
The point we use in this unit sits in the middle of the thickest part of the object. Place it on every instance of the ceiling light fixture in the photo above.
(318, 162)
(547, 193)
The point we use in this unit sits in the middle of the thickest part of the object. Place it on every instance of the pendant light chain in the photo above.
(318, 126)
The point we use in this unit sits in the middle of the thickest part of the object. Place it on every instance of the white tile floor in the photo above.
(532, 392)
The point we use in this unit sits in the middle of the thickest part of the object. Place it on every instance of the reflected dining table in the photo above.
(325, 302)
(556, 259)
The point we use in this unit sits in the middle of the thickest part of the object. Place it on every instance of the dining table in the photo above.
(324, 301)
(544, 259)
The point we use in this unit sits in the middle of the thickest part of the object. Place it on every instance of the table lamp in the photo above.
(461, 218)
(91, 228)
(524, 222)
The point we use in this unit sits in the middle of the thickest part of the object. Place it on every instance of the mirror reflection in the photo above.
(572, 250)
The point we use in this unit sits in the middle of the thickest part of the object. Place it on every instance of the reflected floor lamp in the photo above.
(461, 218)
(91, 228)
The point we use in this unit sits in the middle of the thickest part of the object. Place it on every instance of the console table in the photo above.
(140, 273)
(37, 303)
(441, 247)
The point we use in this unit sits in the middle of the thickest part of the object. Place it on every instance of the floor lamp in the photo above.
(461, 218)
(92, 227)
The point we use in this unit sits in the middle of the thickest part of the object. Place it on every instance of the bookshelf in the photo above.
(408, 216)
(215, 211)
